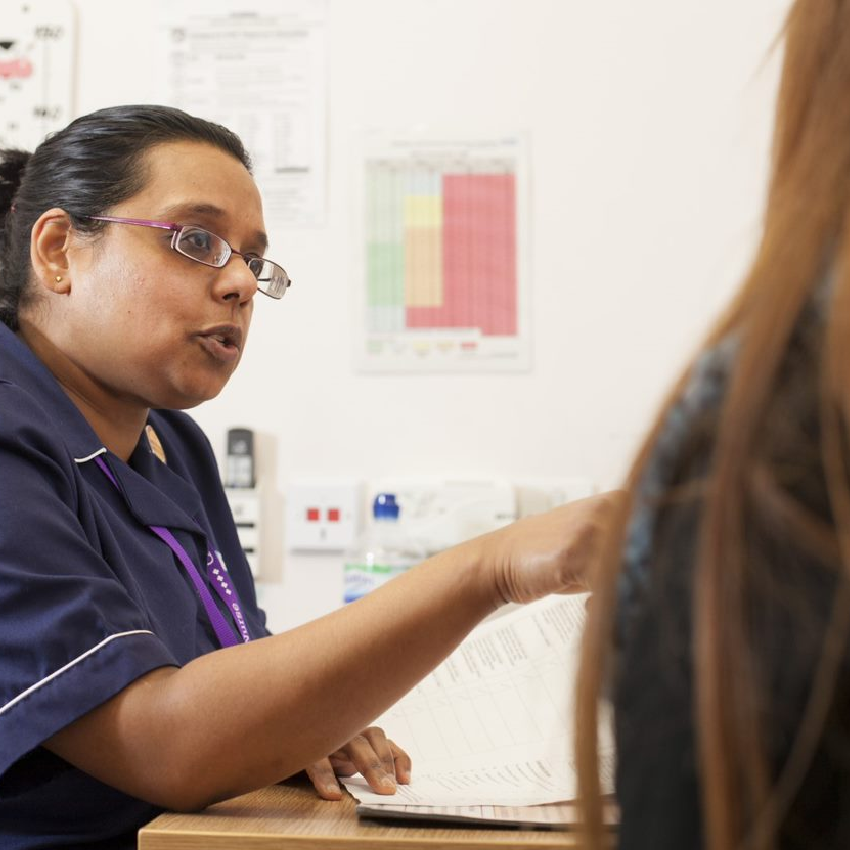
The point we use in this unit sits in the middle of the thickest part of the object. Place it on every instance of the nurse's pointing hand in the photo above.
(382, 762)
(555, 552)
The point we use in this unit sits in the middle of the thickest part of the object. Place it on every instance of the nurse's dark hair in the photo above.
(96, 162)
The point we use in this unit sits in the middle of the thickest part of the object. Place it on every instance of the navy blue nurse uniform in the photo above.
(90, 598)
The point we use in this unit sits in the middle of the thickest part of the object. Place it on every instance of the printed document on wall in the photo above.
(442, 265)
(259, 68)
(36, 70)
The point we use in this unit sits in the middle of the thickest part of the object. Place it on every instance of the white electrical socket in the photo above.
(245, 506)
(439, 512)
(323, 514)
(536, 495)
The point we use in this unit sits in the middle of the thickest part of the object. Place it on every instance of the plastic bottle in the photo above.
(382, 552)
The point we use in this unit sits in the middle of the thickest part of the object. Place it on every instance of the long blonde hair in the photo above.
(805, 232)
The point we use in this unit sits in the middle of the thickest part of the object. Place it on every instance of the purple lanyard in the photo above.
(216, 573)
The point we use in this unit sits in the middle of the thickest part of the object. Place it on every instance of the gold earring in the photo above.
(59, 278)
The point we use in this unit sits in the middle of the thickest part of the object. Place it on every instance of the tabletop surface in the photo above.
(291, 816)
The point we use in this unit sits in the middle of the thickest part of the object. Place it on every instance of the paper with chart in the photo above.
(444, 253)
(36, 70)
(492, 725)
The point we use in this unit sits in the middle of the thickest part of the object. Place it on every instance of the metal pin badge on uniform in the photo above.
(155, 444)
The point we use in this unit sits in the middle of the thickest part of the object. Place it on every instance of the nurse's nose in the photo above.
(235, 281)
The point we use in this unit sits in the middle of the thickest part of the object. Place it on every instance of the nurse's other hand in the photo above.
(381, 761)
(554, 552)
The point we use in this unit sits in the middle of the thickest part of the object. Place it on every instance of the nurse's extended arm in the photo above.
(248, 716)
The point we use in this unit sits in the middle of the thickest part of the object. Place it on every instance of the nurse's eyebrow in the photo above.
(178, 211)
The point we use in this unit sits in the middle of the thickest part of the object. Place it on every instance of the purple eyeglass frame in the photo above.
(177, 229)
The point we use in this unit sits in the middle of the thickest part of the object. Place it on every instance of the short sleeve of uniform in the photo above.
(71, 632)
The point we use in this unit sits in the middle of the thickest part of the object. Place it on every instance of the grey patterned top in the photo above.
(703, 392)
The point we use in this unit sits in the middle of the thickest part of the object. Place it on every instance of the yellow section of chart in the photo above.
(423, 211)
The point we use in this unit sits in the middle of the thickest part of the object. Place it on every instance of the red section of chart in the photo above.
(479, 257)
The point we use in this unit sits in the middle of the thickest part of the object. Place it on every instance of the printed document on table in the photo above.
(550, 816)
(493, 724)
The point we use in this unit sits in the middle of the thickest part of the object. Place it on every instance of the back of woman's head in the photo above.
(803, 259)
(96, 162)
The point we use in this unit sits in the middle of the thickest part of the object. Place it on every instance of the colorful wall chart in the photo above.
(443, 257)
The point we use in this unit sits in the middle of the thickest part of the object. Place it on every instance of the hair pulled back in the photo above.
(96, 162)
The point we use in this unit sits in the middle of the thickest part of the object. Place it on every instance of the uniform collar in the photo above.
(20, 366)
(155, 494)
(143, 489)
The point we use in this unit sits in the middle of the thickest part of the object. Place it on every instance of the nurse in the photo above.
(136, 670)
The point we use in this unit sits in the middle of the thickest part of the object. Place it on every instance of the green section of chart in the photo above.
(385, 274)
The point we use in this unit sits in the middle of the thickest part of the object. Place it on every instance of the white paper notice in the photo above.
(492, 725)
(259, 68)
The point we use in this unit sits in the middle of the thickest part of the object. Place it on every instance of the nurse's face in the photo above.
(146, 325)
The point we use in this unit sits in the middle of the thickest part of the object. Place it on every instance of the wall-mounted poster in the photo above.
(443, 256)
(36, 70)
(258, 67)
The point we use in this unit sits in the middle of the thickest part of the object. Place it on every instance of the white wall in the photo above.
(649, 126)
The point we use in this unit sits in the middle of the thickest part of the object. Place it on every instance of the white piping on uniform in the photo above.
(32, 688)
(92, 455)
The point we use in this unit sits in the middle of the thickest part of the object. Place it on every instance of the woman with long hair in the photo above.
(721, 618)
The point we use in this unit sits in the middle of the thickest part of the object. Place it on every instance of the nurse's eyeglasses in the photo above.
(204, 247)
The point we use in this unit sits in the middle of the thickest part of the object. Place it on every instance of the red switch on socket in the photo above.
(333, 514)
(312, 514)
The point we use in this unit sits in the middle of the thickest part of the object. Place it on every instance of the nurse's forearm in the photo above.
(249, 716)
(243, 717)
